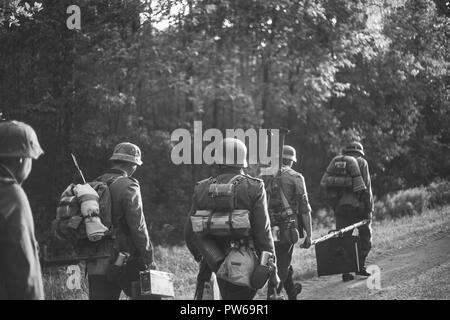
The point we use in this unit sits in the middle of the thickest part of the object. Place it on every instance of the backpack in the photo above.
(342, 176)
(286, 228)
(83, 222)
(221, 218)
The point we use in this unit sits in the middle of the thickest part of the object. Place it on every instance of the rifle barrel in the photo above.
(75, 162)
(337, 232)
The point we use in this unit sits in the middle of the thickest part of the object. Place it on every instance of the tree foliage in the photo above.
(326, 69)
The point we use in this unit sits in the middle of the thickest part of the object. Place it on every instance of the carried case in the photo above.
(337, 255)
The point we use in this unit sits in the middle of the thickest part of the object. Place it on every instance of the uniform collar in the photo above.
(118, 171)
(230, 170)
(7, 175)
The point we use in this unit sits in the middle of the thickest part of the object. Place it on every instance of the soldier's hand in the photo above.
(307, 243)
(152, 266)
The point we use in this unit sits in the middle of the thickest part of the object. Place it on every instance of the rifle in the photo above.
(78, 167)
(340, 232)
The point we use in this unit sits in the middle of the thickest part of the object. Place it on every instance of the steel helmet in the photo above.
(355, 146)
(289, 153)
(233, 153)
(18, 140)
(127, 152)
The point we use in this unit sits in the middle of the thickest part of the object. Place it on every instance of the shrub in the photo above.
(403, 203)
(323, 219)
(439, 194)
(379, 210)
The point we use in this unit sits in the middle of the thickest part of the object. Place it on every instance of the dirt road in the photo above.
(421, 270)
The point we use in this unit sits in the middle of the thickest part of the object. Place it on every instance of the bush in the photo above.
(403, 203)
(379, 210)
(323, 219)
(439, 194)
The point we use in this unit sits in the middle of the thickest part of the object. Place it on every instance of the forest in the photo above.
(328, 70)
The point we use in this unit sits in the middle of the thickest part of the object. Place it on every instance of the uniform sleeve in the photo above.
(302, 196)
(368, 196)
(260, 221)
(134, 216)
(189, 234)
(20, 270)
(326, 176)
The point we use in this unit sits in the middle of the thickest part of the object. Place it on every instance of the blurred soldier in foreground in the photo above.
(131, 233)
(20, 270)
(290, 213)
(229, 226)
(349, 192)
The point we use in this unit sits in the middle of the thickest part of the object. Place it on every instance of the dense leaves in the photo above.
(328, 70)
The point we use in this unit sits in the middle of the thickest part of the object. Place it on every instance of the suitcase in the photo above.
(337, 255)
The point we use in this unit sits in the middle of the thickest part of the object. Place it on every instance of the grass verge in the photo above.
(388, 235)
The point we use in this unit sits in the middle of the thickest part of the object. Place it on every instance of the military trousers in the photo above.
(102, 288)
(347, 215)
(283, 253)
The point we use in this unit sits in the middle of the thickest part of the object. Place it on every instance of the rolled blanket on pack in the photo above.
(90, 209)
(88, 199)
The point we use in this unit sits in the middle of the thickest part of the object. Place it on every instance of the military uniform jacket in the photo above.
(130, 228)
(364, 168)
(294, 188)
(20, 270)
(250, 195)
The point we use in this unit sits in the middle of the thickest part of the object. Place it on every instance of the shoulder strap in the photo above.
(236, 179)
(270, 184)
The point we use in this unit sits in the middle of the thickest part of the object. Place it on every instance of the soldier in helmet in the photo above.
(290, 213)
(20, 271)
(249, 195)
(352, 199)
(131, 233)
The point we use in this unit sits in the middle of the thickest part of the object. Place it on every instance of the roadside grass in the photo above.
(388, 235)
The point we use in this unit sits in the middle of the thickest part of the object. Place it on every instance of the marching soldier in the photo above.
(249, 195)
(20, 270)
(351, 197)
(131, 233)
(290, 213)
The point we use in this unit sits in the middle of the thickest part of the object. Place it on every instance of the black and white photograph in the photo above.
(246, 150)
